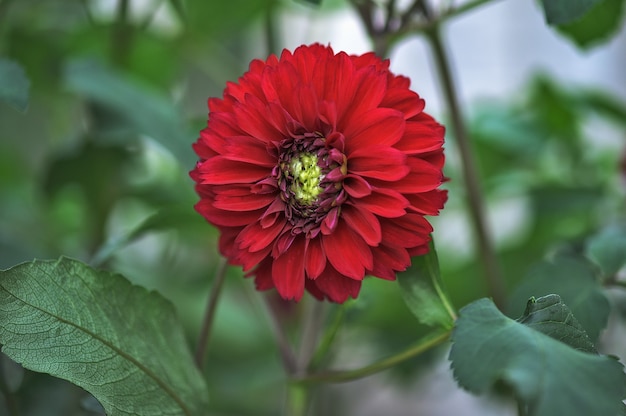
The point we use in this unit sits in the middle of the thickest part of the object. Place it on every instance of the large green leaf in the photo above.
(144, 109)
(597, 26)
(552, 317)
(119, 342)
(422, 290)
(14, 84)
(548, 377)
(565, 11)
(574, 279)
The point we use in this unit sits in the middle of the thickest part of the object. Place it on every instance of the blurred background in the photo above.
(97, 169)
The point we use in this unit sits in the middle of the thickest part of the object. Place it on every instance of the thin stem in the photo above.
(209, 315)
(121, 37)
(445, 300)
(426, 343)
(470, 173)
(271, 37)
(313, 318)
(287, 355)
(329, 337)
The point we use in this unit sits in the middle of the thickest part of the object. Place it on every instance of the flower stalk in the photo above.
(475, 195)
(426, 343)
(207, 324)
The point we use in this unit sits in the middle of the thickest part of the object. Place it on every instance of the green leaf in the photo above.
(14, 85)
(95, 329)
(147, 111)
(602, 21)
(548, 377)
(564, 11)
(574, 279)
(552, 317)
(608, 249)
(422, 290)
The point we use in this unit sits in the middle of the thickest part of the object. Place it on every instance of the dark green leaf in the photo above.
(547, 376)
(552, 317)
(608, 249)
(573, 278)
(564, 11)
(146, 110)
(14, 85)
(422, 290)
(602, 21)
(119, 342)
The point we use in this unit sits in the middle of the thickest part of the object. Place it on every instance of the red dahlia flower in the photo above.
(318, 169)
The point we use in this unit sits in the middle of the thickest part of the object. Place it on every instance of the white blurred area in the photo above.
(495, 49)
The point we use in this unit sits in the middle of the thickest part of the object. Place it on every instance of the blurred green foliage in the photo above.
(97, 169)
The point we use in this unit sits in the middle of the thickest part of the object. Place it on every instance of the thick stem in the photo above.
(470, 174)
(426, 343)
(209, 315)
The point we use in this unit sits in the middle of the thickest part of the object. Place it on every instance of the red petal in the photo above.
(219, 217)
(254, 237)
(408, 231)
(388, 260)
(244, 202)
(288, 271)
(378, 162)
(382, 126)
(428, 203)
(356, 186)
(420, 138)
(404, 100)
(315, 258)
(363, 222)
(336, 286)
(423, 177)
(263, 275)
(250, 150)
(347, 252)
(384, 202)
(219, 170)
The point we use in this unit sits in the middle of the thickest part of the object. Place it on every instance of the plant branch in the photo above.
(314, 312)
(470, 173)
(426, 343)
(209, 315)
(287, 355)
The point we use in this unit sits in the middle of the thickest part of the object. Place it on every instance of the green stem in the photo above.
(329, 337)
(122, 34)
(314, 312)
(426, 343)
(297, 400)
(470, 173)
(289, 360)
(209, 316)
(271, 37)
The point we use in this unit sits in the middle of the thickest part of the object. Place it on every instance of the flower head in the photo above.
(318, 169)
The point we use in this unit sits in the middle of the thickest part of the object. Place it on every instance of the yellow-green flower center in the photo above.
(307, 176)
